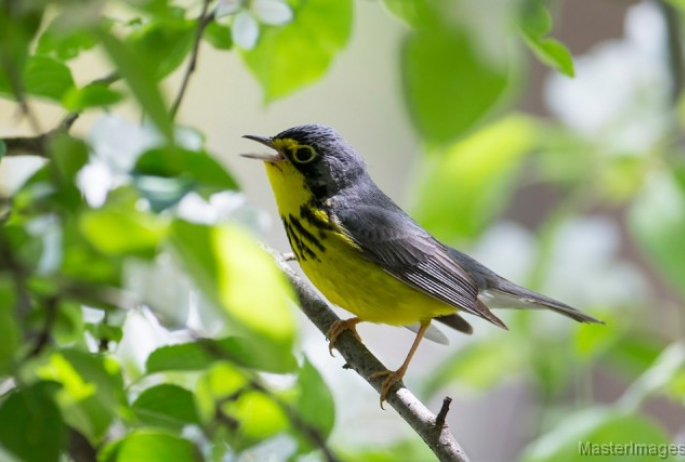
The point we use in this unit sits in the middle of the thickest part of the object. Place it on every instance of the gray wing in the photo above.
(392, 240)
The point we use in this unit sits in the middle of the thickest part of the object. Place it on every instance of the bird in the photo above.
(367, 256)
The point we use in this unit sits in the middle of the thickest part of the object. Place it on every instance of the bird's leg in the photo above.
(340, 326)
(396, 376)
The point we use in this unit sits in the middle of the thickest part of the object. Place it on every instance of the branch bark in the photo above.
(358, 357)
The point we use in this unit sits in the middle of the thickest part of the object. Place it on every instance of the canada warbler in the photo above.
(369, 257)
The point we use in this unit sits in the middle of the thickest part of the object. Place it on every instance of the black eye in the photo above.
(304, 154)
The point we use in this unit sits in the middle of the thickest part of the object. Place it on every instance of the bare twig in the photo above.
(413, 411)
(202, 22)
(37, 145)
(442, 415)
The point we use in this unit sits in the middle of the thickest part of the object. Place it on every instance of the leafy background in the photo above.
(141, 320)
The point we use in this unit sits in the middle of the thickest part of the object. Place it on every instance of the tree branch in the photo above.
(202, 22)
(358, 357)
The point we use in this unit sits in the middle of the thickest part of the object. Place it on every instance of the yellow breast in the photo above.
(336, 266)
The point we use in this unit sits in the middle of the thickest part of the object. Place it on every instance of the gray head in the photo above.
(327, 162)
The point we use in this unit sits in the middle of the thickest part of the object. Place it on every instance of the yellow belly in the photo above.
(338, 269)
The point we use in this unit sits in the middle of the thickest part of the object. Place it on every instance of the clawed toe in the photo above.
(340, 326)
(392, 378)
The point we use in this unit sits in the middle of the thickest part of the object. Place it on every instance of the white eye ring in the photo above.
(304, 154)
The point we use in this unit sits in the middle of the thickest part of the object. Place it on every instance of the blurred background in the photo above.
(569, 180)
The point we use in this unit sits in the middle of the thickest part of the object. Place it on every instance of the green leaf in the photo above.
(467, 186)
(413, 12)
(117, 231)
(176, 162)
(93, 95)
(64, 43)
(448, 84)
(479, 366)
(151, 446)
(43, 76)
(3, 149)
(9, 329)
(594, 434)
(657, 220)
(92, 391)
(535, 24)
(69, 154)
(314, 404)
(202, 354)
(221, 381)
(219, 36)
(167, 406)
(172, 34)
(290, 57)
(31, 426)
(139, 75)
(235, 273)
(17, 30)
(259, 417)
(657, 378)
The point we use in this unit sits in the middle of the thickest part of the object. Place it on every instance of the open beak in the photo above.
(266, 141)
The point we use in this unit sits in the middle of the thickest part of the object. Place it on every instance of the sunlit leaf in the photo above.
(448, 96)
(151, 446)
(657, 219)
(234, 272)
(589, 434)
(140, 77)
(219, 382)
(413, 12)
(289, 57)
(167, 406)
(92, 391)
(259, 415)
(31, 426)
(469, 183)
(535, 25)
(122, 231)
(43, 76)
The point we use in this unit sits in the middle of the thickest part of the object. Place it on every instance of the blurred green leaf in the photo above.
(203, 353)
(64, 43)
(259, 417)
(69, 154)
(166, 406)
(448, 96)
(221, 381)
(413, 12)
(176, 162)
(589, 434)
(657, 220)
(218, 35)
(480, 365)
(118, 231)
(466, 186)
(93, 95)
(590, 343)
(18, 27)
(536, 24)
(413, 450)
(234, 272)
(657, 378)
(3, 149)
(172, 34)
(634, 353)
(140, 77)
(9, 329)
(150, 446)
(289, 57)
(102, 331)
(31, 426)
(314, 404)
(92, 391)
(43, 76)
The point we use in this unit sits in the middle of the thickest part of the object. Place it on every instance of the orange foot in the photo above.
(340, 326)
(392, 378)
